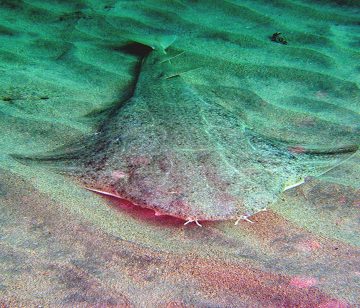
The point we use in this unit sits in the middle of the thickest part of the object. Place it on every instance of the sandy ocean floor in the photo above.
(63, 64)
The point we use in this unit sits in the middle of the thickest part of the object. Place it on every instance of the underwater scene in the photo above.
(180, 153)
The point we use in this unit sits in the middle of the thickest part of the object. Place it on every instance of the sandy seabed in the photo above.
(62, 63)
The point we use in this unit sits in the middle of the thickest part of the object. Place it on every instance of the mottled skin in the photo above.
(180, 154)
(170, 149)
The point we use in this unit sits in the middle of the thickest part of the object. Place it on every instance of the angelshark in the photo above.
(172, 150)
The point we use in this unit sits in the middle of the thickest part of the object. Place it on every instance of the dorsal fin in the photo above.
(159, 43)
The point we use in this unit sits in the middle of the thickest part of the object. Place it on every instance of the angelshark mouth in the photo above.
(145, 212)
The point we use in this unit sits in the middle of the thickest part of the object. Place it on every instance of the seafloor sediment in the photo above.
(64, 64)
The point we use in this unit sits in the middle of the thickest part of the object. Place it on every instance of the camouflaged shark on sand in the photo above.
(170, 149)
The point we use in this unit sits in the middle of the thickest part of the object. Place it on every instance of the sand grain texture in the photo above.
(63, 65)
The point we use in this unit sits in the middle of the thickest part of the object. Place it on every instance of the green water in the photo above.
(253, 115)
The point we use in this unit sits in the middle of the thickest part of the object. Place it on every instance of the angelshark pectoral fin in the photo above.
(77, 150)
(65, 157)
(346, 152)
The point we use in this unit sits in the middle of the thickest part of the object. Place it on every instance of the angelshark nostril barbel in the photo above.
(173, 150)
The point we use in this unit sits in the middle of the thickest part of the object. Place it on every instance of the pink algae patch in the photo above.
(303, 282)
